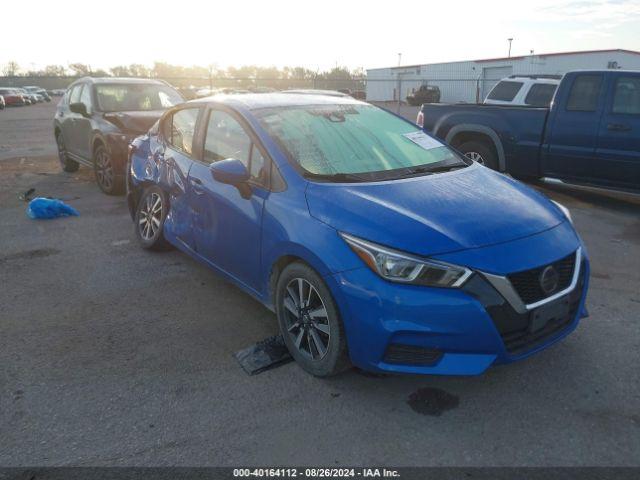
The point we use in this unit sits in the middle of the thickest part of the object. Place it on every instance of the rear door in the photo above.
(174, 157)
(68, 121)
(227, 223)
(618, 151)
(82, 125)
(573, 131)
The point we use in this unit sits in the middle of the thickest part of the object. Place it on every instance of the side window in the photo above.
(540, 94)
(85, 97)
(584, 93)
(226, 138)
(626, 97)
(505, 91)
(74, 97)
(182, 129)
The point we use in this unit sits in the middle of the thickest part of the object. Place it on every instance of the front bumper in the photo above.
(444, 331)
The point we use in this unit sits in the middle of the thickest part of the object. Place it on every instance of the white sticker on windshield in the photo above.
(423, 140)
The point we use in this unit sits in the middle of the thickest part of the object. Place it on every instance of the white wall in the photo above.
(458, 81)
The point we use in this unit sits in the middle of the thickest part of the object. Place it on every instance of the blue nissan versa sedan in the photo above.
(373, 242)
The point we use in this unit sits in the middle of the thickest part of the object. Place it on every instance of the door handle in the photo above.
(618, 127)
(197, 185)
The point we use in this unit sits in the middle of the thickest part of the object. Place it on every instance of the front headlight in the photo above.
(403, 268)
(564, 210)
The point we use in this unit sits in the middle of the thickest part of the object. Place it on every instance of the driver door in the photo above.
(227, 223)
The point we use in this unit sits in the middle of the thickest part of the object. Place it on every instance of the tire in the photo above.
(104, 170)
(315, 340)
(481, 153)
(66, 163)
(150, 217)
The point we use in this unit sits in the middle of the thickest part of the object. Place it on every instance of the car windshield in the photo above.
(353, 142)
(135, 97)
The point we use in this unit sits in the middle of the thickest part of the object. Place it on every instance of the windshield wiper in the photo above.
(429, 170)
(336, 177)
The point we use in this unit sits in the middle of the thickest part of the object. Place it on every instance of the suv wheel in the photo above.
(106, 178)
(67, 164)
(310, 322)
(151, 212)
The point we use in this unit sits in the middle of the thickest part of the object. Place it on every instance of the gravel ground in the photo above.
(111, 355)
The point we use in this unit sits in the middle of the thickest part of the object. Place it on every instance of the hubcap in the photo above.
(150, 216)
(306, 319)
(475, 156)
(104, 170)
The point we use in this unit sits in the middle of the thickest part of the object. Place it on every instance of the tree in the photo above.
(54, 71)
(11, 69)
(139, 70)
(120, 71)
(80, 69)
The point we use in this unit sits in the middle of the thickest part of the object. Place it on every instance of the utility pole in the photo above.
(510, 40)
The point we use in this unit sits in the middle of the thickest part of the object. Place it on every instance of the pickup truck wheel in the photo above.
(481, 153)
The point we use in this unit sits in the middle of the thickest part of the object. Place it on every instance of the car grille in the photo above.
(527, 283)
(519, 341)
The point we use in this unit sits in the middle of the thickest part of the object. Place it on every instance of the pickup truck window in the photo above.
(540, 94)
(505, 91)
(584, 93)
(626, 97)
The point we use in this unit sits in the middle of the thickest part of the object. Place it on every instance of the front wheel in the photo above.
(106, 177)
(151, 213)
(310, 322)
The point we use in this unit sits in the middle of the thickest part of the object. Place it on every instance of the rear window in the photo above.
(136, 97)
(540, 94)
(505, 91)
(584, 94)
(626, 98)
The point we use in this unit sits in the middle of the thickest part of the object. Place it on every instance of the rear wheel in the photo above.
(481, 153)
(149, 219)
(106, 178)
(310, 322)
(67, 164)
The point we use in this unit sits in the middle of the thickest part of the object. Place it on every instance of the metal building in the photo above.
(471, 81)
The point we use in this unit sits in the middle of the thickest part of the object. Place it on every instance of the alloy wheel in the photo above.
(475, 156)
(306, 319)
(104, 169)
(150, 216)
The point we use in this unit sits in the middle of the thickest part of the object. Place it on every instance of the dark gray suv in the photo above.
(98, 117)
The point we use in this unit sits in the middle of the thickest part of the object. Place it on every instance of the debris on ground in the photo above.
(26, 195)
(268, 353)
(47, 208)
(432, 401)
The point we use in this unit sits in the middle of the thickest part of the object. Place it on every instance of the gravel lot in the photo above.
(111, 355)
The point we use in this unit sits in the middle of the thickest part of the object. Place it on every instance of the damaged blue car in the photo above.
(375, 244)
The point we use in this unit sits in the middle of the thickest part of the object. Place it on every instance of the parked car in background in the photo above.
(2, 104)
(31, 98)
(359, 94)
(424, 94)
(58, 92)
(590, 135)
(13, 98)
(39, 91)
(373, 242)
(98, 117)
(530, 90)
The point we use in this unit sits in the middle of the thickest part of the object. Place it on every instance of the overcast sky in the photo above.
(314, 34)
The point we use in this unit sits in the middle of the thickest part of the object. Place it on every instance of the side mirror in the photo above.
(80, 108)
(230, 171)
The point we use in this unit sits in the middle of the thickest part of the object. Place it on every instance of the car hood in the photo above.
(434, 214)
(134, 122)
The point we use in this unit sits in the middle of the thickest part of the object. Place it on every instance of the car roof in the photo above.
(254, 101)
(124, 80)
(312, 91)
